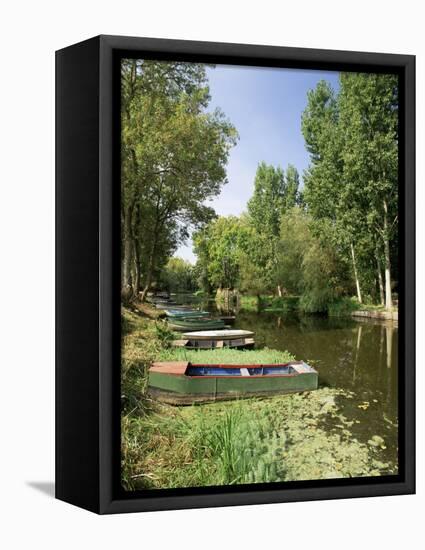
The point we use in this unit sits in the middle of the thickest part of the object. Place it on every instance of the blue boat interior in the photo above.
(211, 370)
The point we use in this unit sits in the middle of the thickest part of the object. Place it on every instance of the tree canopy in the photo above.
(352, 181)
(174, 155)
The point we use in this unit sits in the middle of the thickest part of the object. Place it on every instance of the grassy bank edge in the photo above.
(344, 307)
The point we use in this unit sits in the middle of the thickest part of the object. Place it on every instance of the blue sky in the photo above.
(265, 106)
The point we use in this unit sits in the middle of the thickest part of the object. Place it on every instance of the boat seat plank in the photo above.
(302, 368)
(170, 367)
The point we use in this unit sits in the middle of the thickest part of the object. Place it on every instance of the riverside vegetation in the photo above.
(285, 438)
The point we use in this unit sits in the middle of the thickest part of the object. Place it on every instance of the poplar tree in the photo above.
(369, 119)
(351, 185)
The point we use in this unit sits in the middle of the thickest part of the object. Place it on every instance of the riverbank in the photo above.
(381, 315)
(345, 307)
(285, 438)
(284, 304)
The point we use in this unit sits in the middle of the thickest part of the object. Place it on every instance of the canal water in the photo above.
(358, 356)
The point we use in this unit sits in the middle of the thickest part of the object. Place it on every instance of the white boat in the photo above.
(225, 334)
(212, 339)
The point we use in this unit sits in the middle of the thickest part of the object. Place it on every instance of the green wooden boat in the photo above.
(183, 383)
(179, 307)
(184, 325)
(185, 314)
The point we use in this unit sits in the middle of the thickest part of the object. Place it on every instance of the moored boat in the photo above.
(212, 339)
(185, 313)
(202, 323)
(179, 307)
(184, 383)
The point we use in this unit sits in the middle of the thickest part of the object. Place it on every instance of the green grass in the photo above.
(141, 344)
(226, 355)
(218, 444)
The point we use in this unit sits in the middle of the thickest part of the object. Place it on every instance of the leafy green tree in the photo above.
(178, 275)
(320, 277)
(219, 247)
(292, 184)
(329, 194)
(307, 266)
(294, 238)
(145, 84)
(351, 183)
(267, 202)
(265, 209)
(369, 121)
(173, 159)
(253, 278)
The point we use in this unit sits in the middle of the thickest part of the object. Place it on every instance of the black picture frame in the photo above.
(87, 274)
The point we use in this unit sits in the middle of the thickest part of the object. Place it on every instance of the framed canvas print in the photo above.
(235, 274)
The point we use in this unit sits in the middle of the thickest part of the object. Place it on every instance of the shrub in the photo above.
(343, 306)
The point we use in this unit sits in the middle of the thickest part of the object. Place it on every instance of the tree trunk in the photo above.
(126, 283)
(147, 286)
(387, 266)
(136, 252)
(279, 291)
(150, 268)
(380, 280)
(136, 268)
(356, 276)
